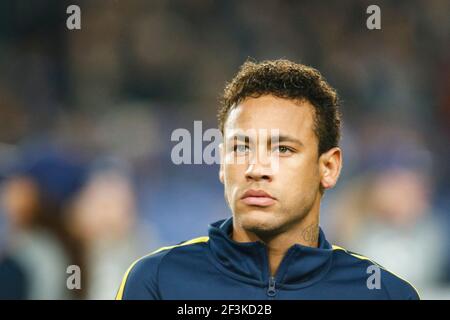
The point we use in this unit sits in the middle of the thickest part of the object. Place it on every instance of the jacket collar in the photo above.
(248, 261)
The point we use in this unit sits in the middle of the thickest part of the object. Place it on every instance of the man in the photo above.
(272, 246)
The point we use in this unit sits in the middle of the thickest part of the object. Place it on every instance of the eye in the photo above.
(283, 149)
(240, 148)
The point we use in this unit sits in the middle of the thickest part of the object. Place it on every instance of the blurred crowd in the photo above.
(86, 116)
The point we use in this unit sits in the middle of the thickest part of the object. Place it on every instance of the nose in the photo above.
(258, 171)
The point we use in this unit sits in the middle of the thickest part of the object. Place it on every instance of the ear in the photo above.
(330, 165)
(222, 159)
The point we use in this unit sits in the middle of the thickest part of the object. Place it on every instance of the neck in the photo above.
(305, 232)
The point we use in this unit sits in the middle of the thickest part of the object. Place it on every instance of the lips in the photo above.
(257, 198)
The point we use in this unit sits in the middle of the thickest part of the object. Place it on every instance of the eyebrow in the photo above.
(276, 138)
(240, 137)
(285, 138)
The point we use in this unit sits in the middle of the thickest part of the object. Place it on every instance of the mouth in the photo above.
(258, 198)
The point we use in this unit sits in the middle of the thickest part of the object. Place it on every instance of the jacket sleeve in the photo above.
(140, 282)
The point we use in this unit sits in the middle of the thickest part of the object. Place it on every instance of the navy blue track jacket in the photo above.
(217, 267)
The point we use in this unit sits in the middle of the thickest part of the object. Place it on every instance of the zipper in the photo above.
(271, 290)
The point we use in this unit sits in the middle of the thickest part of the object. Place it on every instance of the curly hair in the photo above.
(288, 80)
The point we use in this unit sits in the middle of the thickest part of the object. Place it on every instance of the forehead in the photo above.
(293, 118)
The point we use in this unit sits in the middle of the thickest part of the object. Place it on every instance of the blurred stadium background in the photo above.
(86, 118)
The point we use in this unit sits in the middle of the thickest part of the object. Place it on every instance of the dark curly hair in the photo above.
(288, 80)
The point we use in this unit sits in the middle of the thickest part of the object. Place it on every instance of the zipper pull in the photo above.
(271, 291)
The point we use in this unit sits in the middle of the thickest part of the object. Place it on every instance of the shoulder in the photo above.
(141, 279)
(396, 287)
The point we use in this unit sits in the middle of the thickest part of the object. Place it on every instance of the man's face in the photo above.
(287, 169)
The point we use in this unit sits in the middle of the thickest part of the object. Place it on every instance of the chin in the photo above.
(260, 222)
